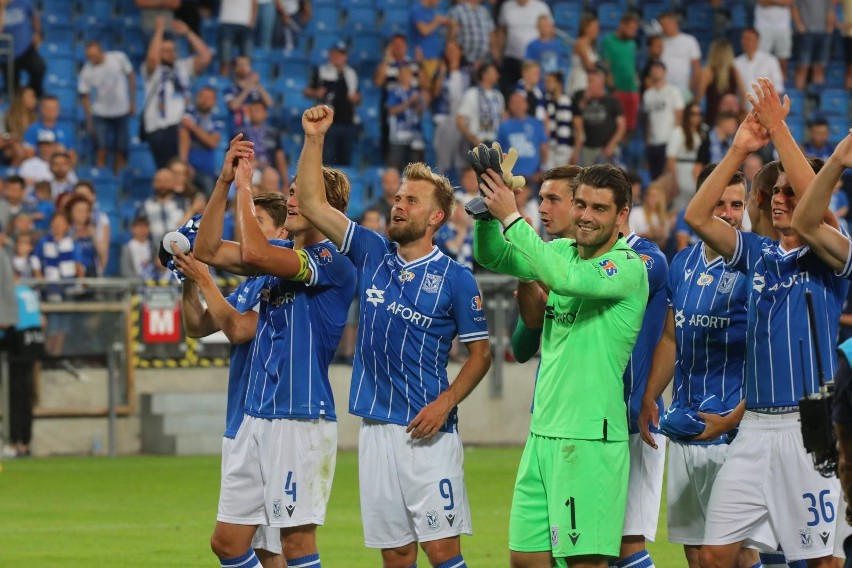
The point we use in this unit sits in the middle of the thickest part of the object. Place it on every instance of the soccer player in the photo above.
(703, 347)
(767, 491)
(598, 292)
(414, 301)
(235, 316)
(285, 448)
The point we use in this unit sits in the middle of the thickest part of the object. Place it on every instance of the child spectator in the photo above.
(25, 262)
(405, 105)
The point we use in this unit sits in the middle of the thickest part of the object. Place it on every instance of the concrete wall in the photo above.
(483, 420)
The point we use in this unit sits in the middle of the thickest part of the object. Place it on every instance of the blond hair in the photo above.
(444, 195)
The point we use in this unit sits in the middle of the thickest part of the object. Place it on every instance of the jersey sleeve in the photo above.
(468, 307)
(493, 252)
(614, 275)
(247, 294)
(658, 271)
(329, 268)
(746, 251)
(358, 243)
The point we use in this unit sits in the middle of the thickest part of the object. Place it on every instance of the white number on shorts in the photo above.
(446, 489)
(825, 507)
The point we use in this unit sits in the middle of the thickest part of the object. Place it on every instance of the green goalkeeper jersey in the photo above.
(593, 315)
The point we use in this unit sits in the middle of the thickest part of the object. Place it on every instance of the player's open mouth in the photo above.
(397, 219)
(585, 229)
(777, 212)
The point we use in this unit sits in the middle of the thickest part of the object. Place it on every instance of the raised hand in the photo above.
(244, 174)
(239, 148)
(179, 27)
(770, 109)
(751, 136)
(192, 269)
(317, 120)
(843, 152)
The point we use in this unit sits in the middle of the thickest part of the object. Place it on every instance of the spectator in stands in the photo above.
(455, 238)
(618, 53)
(527, 136)
(19, 19)
(651, 219)
(601, 126)
(753, 63)
(92, 251)
(37, 168)
(468, 185)
(268, 150)
(517, 27)
(23, 113)
(751, 166)
(846, 32)
(386, 76)
(719, 77)
(773, 21)
(481, 108)
(137, 258)
(818, 144)
(335, 84)
(270, 180)
(547, 50)
(472, 26)
(426, 38)
(561, 118)
(814, 21)
(530, 85)
(236, 28)
(25, 262)
(405, 106)
(199, 135)
(99, 219)
(719, 139)
(654, 52)
(49, 122)
(192, 199)
(43, 207)
(384, 203)
(110, 75)
(293, 14)
(62, 174)
(451, 81)
(168, 82)
(682, 155)
(246, 88)
(264, 27)
(681, 54)
(154, 10)
(163, 211)
(663, 106)
(584, 56)
(12, 202)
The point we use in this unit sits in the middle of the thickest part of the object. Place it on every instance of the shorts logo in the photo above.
(290, 509)
(432, 283)
(450, 518)
(476, 303)
(805, 537)
(823, 536)
(554, 536)
(609, 267)
(276, 509)
(574, 536)
(405, 276)
(705, 279)
(726, 284)
(432, 520)
(324, 256)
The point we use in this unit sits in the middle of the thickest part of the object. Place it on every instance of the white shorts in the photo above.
(692, 471)
(266, 538)
(777, 41)
(844, 531)
(768, 493)
(645, 486)
(411, 490)
(279, 473)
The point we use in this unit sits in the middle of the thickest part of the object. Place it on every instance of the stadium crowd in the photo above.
(104, 160)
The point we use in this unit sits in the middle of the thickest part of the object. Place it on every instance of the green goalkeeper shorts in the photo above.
(570, 497)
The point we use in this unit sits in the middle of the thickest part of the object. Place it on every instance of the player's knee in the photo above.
(439, 551)
(709, 558)
(299, 541)
(400, 557)
(222, 548)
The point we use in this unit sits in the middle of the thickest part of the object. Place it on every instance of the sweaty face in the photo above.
(596, 215)
(555, 208)
(731, 206)
(783, 202)
(413, 207)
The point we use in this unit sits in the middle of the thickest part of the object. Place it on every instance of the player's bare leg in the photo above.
(590, 561)
(720, 556)
(442, 550)
(692, 553)
(231, 541)
(400, 557)
(747, 558)
(824, 562)
(299, 542)
(530, 559)
(270, 559)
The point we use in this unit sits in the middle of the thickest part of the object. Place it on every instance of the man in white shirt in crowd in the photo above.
(517, 27)
(754, 62)
(773, 19)
(236, 31)
(110, 76)
(681, 54)
(663, 105)
(482, 108)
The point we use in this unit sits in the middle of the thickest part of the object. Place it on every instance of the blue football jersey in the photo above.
(244, 298)
(299, 327)
(710, 316)
(776, 373)
(409, 314)
(639, 365)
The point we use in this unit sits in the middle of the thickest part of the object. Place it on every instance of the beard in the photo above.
(407, 232)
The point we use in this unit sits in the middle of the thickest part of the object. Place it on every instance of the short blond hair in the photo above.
(444, 195)
(337, 188)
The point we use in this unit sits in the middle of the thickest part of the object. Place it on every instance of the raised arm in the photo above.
(313, 203)
(808, 216)
(209, 246)
(203, 55)
(155, 46)
(662, 372)
(718, 234)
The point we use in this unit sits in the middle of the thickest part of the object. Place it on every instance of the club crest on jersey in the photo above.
(405, 276)
(432, 283)
(705, 279)
(726, 284)
(649, 262)
(432, 520)
(324, 256)
(609, 267)
(476, 303)
(806, 540)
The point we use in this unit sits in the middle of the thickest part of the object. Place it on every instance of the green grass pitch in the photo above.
(160, 511)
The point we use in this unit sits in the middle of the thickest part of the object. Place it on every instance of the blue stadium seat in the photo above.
(835, 74)
(566, 16)
(609, 15)
(834, 101)
(365, 47)
(395, 20)
(322, 44)
(294, 67)
(797, 102)
(62, 10)
(141, 162)
(739, 16)
(363, 3)
(96, 28)
(362, 19)
(99, 8)
(652, 10)
(700, 16)
(796, 124)
(325, 19)
(294, 105)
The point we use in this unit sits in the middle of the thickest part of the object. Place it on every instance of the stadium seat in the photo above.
(362, 19)
(365, 47)
(325, 19)
(739, 17)
(292, 67)
(566, 16)
(609, 15)
(796, 124)
(395, 20)
(700, 16)
(797, 101)
(99, 8)
(834, 101)
(62, 10)
(651, 10)
(839, 128)
(141, 162)
(835, 75)
(322, 44)
(364, 3)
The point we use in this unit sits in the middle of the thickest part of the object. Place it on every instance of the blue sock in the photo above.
(308, 561)
(247, 560)
(773, 560)
(455, 562)
(641, 559)
(798, 564)
(758, 565)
